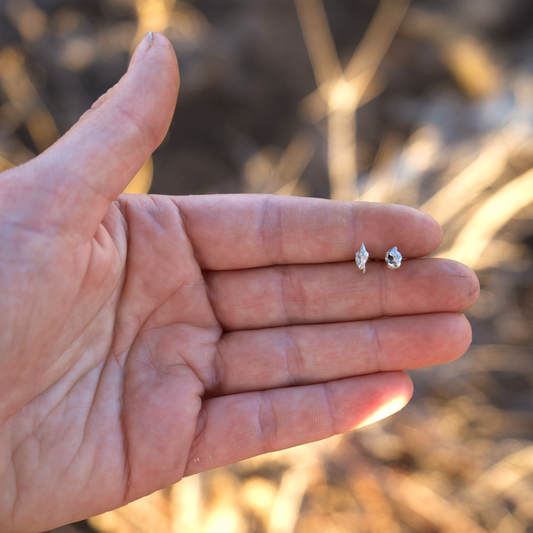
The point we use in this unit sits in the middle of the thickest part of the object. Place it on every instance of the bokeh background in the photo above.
(426, 103)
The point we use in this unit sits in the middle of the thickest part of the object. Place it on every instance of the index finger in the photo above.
(247, 231)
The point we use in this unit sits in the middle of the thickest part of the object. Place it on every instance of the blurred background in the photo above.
(426, 103)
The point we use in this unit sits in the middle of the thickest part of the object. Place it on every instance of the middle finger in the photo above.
(337, 292)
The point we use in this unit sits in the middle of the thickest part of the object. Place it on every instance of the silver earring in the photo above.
(361, 257)
(393, 258)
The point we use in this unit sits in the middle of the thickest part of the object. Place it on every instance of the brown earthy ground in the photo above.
(444, 122)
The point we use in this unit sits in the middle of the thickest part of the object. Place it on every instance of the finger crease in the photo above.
(375, 343)
(333, 414)
(267, 422)
(294, 361)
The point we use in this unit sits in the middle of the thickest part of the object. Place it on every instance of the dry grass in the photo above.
(460, 458)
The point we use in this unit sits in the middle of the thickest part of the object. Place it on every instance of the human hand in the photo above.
(144, 339)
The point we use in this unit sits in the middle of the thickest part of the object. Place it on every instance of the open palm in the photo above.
(147, 338)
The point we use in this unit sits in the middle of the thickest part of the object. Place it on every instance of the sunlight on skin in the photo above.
(386, 409)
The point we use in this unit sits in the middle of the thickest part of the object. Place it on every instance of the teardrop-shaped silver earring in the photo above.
(361, 257)
(393, 258)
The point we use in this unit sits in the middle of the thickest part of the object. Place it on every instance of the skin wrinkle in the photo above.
(15, 450)
(280, 231)
(384, 292)
(270, 226)
(333, 414)
(61, 404)
(126, 447)
(122, 419)
(123, 425)
(158, 211)
(145, 133)
(83, 319)
(51, 231)
(201, 424)
(96, 314)
(124, 209)
(472, 293)
(17, 493)
(282, 271)
(267, 422)
(296, 295)
(219, 368)
(141, 325)
(286, 286)
(10, 415)
(20, 185)
(354, 225)
(212, 298)
(185, 225)
(85, 373)
(108, 95)
(321, 299)
(262, 224)
(91, 187)
(87, 418)
(164, 370)
(121, 207)
(17, 478)
(375, 341)
(151, 361)
(184, 283)
(206, 383)
(293, 357)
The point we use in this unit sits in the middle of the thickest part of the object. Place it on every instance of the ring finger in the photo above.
(301, 355)
(337, 292)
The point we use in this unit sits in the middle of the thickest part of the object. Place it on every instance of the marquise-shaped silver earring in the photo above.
(393, 258)
(361, 257)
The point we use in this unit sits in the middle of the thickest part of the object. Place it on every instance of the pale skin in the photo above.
(143, 339)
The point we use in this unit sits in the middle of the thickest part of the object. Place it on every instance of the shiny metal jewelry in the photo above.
(361, 257)
(393, 258)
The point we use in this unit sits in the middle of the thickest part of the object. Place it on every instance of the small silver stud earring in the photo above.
(361, 257)
(393, 258)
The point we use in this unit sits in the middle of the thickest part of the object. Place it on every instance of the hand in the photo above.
(143, 339)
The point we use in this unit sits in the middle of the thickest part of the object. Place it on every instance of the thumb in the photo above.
(71, 185)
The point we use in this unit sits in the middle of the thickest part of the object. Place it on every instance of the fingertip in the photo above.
(403, 388)
(465, 334)
(368, 399)
(392, 392)
(454, 339)
(429, 230)
(413, 232)
(435, 233)
(162, 45)
(465, 283)
(154, 68)
(409, 387)
(160, 66)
